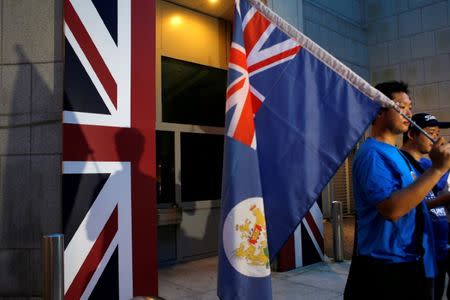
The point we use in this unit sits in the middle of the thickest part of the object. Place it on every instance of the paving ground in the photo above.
(197, 280)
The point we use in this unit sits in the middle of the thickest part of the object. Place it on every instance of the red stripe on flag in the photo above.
(256, 103)
(90, 50)
(315, 230)
(235, 87)
(93, 143)
(286, 256)
(245, 129)
(239, 58)
(97, 143)
(273, 59)
(93, 259)
(253, 30)
(143, 172)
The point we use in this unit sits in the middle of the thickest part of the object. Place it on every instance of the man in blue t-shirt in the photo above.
(415, 147)
(394, 250)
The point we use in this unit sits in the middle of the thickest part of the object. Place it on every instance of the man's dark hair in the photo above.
(390, 87)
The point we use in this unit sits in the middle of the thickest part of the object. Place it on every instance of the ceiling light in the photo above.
(175, 20)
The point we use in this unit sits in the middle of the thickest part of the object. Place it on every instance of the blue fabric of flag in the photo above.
(307, 126)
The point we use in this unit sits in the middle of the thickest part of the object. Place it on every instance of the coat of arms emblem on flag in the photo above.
(250, 253)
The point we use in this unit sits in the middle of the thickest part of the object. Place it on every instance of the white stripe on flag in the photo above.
(298, 246)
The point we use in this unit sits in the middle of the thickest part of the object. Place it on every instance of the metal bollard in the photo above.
(53, 266)
(338, 230)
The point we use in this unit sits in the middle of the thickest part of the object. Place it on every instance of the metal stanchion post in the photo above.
(53, 266)
(338, 230)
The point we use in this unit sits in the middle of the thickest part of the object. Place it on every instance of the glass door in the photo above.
(189, 159)
(192, 57)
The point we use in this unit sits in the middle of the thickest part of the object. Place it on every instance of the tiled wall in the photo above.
(382, 40)
(30, 138)
(341, 35)
(335, 25)
(410, 40)
(290, 10)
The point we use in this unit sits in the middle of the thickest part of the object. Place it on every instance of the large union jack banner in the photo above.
(293, 114)
(109, 206)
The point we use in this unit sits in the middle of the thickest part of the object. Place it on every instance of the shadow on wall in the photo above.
(199, 231)
(30, 147)
(30, 170)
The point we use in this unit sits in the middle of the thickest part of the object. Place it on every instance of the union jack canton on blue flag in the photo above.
(293, 113)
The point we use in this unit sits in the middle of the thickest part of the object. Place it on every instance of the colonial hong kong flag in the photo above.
(293, 113)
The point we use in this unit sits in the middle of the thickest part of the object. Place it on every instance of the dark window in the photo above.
(201, 166)
(192, 93)
(165, 167)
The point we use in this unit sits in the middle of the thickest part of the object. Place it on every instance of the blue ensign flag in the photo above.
(293, 113)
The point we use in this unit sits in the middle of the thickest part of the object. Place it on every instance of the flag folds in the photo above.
(293, 113)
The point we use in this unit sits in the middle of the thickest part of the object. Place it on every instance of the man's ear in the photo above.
(410, 134)
(380, 113)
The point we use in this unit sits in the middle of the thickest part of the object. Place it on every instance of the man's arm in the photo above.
(403, 201)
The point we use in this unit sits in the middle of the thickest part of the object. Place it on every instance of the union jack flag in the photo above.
(250, 55)
(109, 206)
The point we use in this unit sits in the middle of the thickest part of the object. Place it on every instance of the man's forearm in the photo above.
(403, 201)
